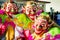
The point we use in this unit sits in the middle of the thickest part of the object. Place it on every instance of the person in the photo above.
(41, 27)
(9, 8)
(29, 12)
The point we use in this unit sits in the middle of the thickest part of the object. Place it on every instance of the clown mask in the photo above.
(40, 26)
(11, 9)
(30, 13)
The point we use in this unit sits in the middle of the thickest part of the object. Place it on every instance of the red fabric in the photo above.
(2, 29)
(27, 34)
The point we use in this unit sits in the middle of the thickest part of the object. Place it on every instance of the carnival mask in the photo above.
(30, 13)
(40, 25)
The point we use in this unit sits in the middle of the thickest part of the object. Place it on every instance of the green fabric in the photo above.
(45, 14)
(24, 19)
(54, 31)
(3, 17)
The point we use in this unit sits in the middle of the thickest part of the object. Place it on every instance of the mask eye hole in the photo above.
(43, 24)
(40, 26)
(36, 25)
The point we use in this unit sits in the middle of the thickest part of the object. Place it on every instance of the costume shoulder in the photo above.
(22, 18)
(54, 31)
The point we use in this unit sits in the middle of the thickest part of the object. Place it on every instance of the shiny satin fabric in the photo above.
(10, 33)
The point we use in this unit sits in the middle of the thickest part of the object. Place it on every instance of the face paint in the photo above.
(30, 13)
(10, 8)
(41, 26)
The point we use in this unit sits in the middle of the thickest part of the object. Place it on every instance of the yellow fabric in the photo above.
(10, 33)
(22, 20)
(38, 37)
(18, 23)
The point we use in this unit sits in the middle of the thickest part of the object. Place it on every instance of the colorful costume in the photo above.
(54, 31)
(10, 9)
(23, 19)
(19, 33)
(3, 27)
(20, 25)
(42, 32)
(10, 33)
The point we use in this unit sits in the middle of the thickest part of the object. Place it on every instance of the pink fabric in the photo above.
(57, 37)
(2, 29)
(39, 12)
(6, 23)
(12, 24)
(1, 12)
(30, 38)
(19, 33)
(27, 34)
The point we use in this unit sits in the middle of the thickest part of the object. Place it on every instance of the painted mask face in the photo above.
(41, 25)
(30, 13)
(11, 7)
